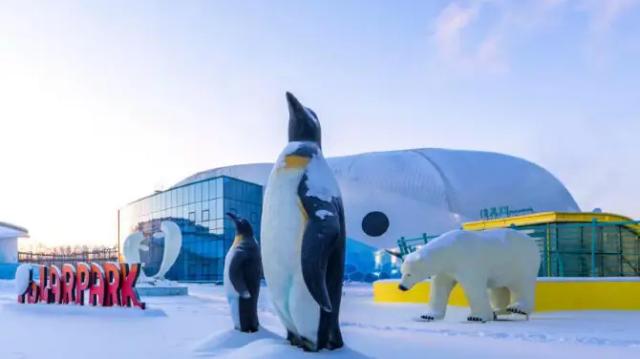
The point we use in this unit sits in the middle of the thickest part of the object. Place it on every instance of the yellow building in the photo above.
(578, 244)
(603, 246)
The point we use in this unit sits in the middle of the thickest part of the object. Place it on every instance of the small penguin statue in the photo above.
(242, 272)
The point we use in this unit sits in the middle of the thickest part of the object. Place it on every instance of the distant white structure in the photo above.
(9, 235)
(392, 194)
(172, 245)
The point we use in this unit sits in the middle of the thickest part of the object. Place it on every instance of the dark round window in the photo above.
(375, 224)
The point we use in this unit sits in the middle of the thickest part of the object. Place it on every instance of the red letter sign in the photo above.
(69, 281)
(130, 273)
(112, 280)
(97, 288)
(112, 286)
(83, 279)
(55, 285)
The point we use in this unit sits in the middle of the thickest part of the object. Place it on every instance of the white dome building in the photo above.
(388, 195)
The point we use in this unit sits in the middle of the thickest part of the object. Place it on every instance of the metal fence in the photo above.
(99, 256)
(588, 249)
(596, 249)
(408, 245)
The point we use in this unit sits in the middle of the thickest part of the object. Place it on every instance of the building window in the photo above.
(192, 216)
(205, 215)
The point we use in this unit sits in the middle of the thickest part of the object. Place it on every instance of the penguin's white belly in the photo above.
(232, 295)
(283, 225)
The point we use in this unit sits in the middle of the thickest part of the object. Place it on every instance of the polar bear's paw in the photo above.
(515, 309)
(430, 317)
(476, 319)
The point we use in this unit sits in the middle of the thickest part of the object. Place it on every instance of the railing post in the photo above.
(547, 250)
(594, 238)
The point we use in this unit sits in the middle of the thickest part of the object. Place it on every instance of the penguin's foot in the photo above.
(308, 345)
(335, 340)
(294, 339)
(334, 344)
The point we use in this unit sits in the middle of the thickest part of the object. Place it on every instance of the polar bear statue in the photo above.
(496, 268)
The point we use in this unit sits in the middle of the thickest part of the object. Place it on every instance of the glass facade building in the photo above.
(199, 209)
(578, 244)
(587, 249)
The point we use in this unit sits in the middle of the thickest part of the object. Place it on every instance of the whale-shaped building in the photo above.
(426, 190)
(386, 196)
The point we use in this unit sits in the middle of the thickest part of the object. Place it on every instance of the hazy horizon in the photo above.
(102, 103)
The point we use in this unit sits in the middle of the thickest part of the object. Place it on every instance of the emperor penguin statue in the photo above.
(303, 237)
(242, 272)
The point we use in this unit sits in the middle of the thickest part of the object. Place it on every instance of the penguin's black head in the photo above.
(243, 228)
(303, 122)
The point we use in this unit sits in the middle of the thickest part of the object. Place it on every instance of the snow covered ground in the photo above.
(199, 326)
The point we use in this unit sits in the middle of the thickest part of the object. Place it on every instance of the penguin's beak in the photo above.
(294, 104)
(233, 217)
(303, 123)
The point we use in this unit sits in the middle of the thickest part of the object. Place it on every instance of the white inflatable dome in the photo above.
(392, 194)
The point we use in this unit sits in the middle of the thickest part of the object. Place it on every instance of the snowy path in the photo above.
(197, 326)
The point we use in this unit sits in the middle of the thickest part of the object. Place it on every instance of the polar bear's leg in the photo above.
(441, 286)
(522, 297)
(475, 287)
(500, 299)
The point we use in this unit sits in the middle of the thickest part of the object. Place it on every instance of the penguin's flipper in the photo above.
(236, 275)
(319, 241)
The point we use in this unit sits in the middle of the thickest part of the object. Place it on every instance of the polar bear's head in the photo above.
(414, 269)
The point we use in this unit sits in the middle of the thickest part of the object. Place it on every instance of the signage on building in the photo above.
(113, 284)
(503, 212)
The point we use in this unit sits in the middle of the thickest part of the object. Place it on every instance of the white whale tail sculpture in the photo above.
(172, 246)
(131, 247)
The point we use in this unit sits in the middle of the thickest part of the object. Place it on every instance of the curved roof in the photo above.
(254, 172)
(12, 231)
(427, 190)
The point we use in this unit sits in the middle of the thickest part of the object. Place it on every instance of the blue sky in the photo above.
(103, 102)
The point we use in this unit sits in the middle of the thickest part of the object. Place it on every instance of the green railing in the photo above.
(579, 249)
(408, 245)
(589, 249)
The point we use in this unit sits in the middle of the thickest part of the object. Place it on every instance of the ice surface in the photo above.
(199, 326)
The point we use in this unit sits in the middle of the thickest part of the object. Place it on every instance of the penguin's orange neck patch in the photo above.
(294, 161)
(236, 241)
